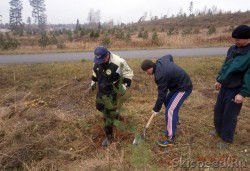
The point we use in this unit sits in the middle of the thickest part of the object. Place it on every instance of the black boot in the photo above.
(109, 136)
(107, 141)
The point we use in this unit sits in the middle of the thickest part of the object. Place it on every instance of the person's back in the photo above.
(171, 75)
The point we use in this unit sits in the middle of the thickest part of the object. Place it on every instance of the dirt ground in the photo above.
(48, 121)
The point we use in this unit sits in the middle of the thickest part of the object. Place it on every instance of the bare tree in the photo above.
(190, 8)
(180, 13)
(98, 16)
(150, 15)
(29, 24)
(204, 11)
(214, 9)
(29, 20)
(109, 24)
(16, 8)
(38, 13)
(90, 15)
(94, 17)
(141, 19)
(145, 15)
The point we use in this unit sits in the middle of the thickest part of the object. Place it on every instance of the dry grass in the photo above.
(223, 23)
(166, 41)
(220, 39)
(48, 121)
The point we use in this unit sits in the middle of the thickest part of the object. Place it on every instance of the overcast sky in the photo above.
(121, 11)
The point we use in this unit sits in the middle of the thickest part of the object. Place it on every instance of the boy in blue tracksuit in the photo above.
(233, 81)
(168, 77)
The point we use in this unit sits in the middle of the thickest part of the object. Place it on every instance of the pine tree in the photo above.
(38, 13)
(78, 26)
(16, 8)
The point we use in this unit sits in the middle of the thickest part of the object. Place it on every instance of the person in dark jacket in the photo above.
(171, 78)
(112, 75)
(233, 83)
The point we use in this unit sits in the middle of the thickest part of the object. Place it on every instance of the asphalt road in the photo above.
(60, 57)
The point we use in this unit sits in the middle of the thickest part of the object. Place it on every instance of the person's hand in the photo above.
(93, 85)
(238, 99)
(217, 86)
(155, 113)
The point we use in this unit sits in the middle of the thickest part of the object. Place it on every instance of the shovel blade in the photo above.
(136, 141)
(140, 137)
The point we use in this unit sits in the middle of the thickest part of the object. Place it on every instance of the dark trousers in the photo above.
(107, 105)
(226, 112)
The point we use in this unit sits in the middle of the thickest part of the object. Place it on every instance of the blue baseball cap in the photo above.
(100, 54)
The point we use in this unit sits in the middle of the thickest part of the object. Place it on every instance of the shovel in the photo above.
(142, 136)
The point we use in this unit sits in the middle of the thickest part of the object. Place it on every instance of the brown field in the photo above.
(218, 39)
(191, 31)
(48, 122)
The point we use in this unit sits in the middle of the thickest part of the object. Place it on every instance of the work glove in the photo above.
(123, 89)
(155, 113)
(93, 85)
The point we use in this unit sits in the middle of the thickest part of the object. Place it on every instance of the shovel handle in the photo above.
(149, 121)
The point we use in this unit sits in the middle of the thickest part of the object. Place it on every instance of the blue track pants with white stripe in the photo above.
(173, 102)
